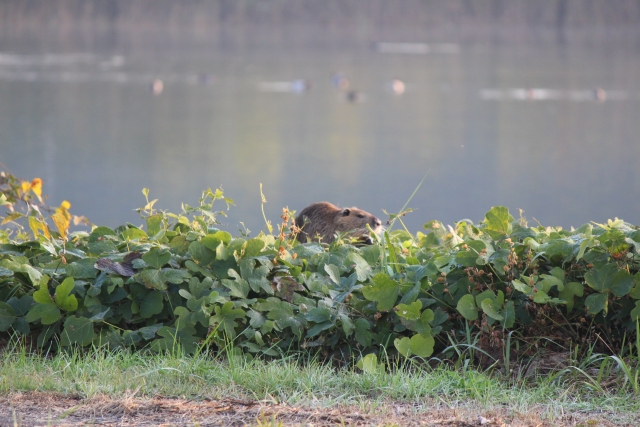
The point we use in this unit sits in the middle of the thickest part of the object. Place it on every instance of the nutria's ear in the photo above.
(346, 212)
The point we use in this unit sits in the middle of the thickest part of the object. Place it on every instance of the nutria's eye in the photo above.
(360, 216)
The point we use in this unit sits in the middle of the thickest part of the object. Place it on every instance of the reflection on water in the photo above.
(539, 94)
(548, 125)
(418, 48)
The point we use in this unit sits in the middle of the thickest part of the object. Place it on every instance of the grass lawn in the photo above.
(125, 388)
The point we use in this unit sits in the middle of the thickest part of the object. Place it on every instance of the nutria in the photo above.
(324, 219)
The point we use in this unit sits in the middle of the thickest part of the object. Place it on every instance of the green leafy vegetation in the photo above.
(180, 283)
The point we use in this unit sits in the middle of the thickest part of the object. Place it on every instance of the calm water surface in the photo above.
(550, 128)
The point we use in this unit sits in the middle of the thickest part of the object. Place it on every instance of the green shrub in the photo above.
(181, 283)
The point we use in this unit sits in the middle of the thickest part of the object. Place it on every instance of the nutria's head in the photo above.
(348, 219)
(324, 219)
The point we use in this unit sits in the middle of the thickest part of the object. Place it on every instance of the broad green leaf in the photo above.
(498, 221)
(363, 335)
(416, 273)
(525, 289)
(416, 345)
(635, 313)
(173, 340)
(319, 327)
(423, 324)
(221, 252)
(7, 316)
(469, 257)
(403, 345)
(622, 283)
(226, 317)
(42, 295)
(256, 319)
(466, 258)
(347, 285)
(362, 267)
(614, 240)
(175, 276)
(411, 311)
(490, 310)
(151, 304)
(429, 316)
(509, 313)
(558, 247)
(371, 254)
(99, 232)
(483, 295)
(201, 254)
(558, 273)
(239, 288)
(21, 305)
(82, 269)
(586, 243)
(384, 291)
(256, 275)
(596, 303)
(152, 279)
(179, 245)
(318, 315)
(192, 266)
(134, 234)
(500, 259)
(556, 278)
(467, 307)
(212, 241)
(154, 224)
(77, 330)
(252, 247)
(336, 257)
(422, 346)
(21, 265)
(571, 290)
(47, 313)
(282, 313)
(439, 317)
(156, 258)
(334, 272)
(541, 297)
(411, 295)
(63, 297)
(635, 292)
(200, 289)
(101, 247)
(369, 364)
(149, 332)
(601, 278)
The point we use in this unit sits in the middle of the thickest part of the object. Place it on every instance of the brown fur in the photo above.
(324, 219)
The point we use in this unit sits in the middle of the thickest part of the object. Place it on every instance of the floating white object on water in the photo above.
(157, 87)
(295, 86)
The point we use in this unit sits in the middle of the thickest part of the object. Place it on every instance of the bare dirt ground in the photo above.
(50, 409)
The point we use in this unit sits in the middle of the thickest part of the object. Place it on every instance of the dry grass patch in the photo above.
(52, 409)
